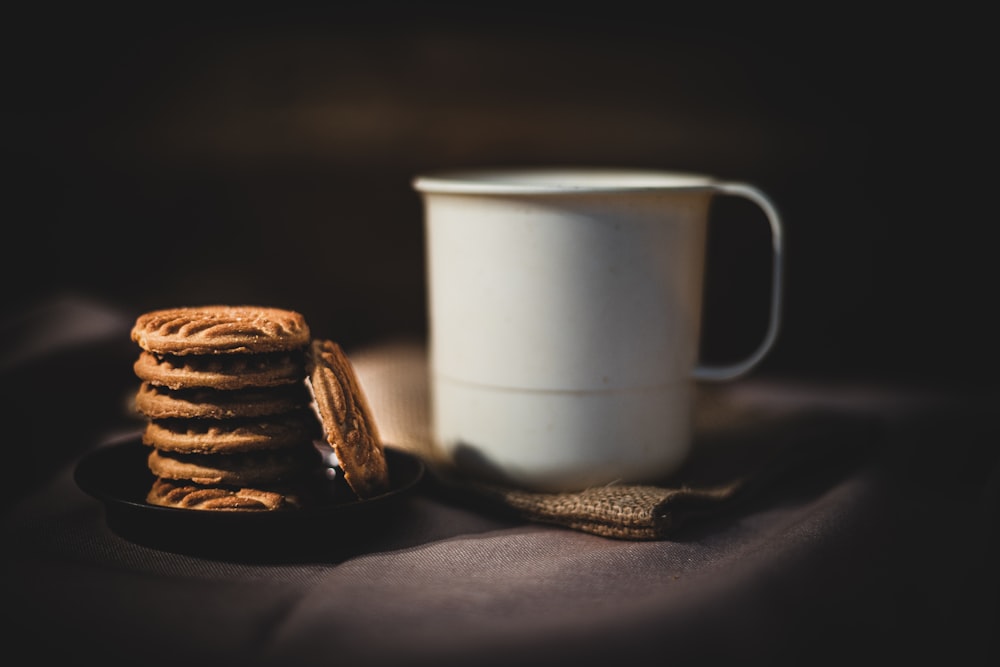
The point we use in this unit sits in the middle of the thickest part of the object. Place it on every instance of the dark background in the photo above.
(164, 159)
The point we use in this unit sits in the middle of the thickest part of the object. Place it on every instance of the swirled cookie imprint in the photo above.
(160, 402)
(220, 329)
(235, 371)
(218, 436)
(346, 419)
(244, 469)
(187, 495)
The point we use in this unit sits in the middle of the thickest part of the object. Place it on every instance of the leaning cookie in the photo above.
(227, 436)
(346, 419)
(160, 402)
(220, 329)
(188, 495)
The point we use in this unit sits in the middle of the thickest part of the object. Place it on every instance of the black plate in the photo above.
(117, 475)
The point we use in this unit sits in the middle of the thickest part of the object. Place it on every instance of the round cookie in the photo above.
(159, 402)
(187, 495)
(220, 329)
(243, 469)
(346, 419)
(231, 371)
(226, 436)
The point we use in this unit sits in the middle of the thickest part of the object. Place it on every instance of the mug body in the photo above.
(564, 317)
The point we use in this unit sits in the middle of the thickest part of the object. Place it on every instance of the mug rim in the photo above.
(555, 180)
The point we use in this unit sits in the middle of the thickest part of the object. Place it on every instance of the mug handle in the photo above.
(732, 371)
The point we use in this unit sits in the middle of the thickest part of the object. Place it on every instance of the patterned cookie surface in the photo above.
(243, 469)
(159, 402)
(221, 436)
(231, 371)
(220, 329)
(187, 495)
(346, 419)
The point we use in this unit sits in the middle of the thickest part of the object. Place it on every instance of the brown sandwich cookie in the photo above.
(159, 402)
(230, 371)
(188, 495)
(220, 329)
(266, 468)
(346, 419)
(226, 436)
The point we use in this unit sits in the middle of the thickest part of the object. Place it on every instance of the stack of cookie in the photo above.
(228, 413)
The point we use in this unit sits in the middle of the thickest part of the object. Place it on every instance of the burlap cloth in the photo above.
(741, 450)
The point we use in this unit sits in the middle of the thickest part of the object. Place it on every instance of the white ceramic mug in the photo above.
(564, 320)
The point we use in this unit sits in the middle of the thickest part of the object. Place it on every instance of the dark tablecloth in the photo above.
(889, 552)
